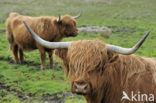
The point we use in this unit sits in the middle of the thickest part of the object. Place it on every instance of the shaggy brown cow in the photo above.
(48, 28)
(102, 73)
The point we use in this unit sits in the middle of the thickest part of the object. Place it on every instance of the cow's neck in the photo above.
(60, 32)
(58, 35)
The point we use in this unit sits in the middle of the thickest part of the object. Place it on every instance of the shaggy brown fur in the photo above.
(108, 73)
(46, 27)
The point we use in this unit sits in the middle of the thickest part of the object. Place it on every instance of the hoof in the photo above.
(42, 67)
(16, 61)
(22, 62)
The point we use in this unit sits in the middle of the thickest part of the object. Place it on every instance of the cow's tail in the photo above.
(9, 35)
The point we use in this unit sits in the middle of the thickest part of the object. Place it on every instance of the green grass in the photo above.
(128, 19)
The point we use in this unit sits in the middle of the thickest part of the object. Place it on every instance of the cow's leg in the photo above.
(15, 53)
(21, 55)
(50, 58)
(42, 56)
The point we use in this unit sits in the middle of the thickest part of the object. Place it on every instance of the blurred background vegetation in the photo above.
(129, 20)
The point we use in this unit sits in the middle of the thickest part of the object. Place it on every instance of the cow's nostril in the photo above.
(85, 87)
(75, 86)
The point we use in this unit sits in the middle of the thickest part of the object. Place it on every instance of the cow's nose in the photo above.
(80, 87)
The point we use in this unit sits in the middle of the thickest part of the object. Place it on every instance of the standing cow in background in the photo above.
(105, 73)
(49, 28)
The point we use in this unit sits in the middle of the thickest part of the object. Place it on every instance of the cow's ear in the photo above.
(112, 57)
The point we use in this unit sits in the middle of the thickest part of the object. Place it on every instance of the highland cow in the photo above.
(49, 28)
(105, 73)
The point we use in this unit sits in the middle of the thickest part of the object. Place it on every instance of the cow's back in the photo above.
(21, 36)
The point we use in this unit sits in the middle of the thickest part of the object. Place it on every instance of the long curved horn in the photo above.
(51, 45)
(75, 17)
(127, 51)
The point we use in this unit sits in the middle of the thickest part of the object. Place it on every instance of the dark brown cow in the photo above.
(49, 28)
(102, 73)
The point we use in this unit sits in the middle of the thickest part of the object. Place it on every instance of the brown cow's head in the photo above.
(67, 25)
(87, 63)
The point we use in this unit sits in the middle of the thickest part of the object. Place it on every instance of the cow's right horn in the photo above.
(51, 45)
(127, 51)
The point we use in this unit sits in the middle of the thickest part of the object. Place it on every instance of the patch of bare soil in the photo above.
(56, 98)
(60, 97)
(8, 88)
(2, 31)
(103, 31)
(94, 29)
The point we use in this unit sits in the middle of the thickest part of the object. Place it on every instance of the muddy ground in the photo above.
(2, 31)
(59, 97)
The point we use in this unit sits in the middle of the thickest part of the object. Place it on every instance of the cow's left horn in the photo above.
(75, 17)
(51, 45)
(59, 18)
(127, 51)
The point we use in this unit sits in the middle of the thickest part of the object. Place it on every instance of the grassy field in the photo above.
(128, 19)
